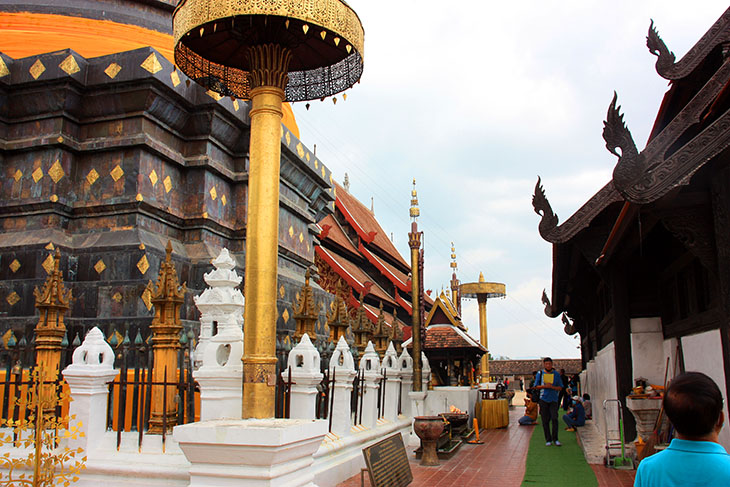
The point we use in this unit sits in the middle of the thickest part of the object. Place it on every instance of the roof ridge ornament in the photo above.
(541, 205)
(665, 58)
(631, 164)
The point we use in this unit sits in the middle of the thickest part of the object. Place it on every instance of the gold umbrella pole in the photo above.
(484, 368)
(268, 78)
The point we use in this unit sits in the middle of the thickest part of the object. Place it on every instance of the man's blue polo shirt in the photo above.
(549, 378)
(685, 463)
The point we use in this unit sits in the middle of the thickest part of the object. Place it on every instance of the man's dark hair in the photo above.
(586, 397)
(693, 403)
(547, 359)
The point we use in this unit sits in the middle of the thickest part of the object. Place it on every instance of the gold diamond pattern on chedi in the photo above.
(117, 173)
(147, 299)
(37, 69)
(300, 149)
(175, 78)
(18, 174)
(117, 297)
(281, 291)
(112, 70)
(143, 264)
(37, 174)
(48, 264)
(213, 193)
(56, 171)
(153, 178)
(285, 315)
(14, 266)
(99, 266)
(13, 298)
(4, 71)
(168, 184)
(69, 65)
(224, 200)
(92, 177)
(151, 64)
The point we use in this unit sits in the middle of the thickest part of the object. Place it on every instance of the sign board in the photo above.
(387, 463)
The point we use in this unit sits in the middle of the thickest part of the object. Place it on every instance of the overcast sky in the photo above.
(475, 99)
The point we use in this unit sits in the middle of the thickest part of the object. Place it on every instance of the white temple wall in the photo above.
(647, 349)
(703, 353)
(601, 385)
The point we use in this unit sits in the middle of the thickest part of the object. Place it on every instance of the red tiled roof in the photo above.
(353, 275)
(527, 367)
(332, 230)
(447, 336)
(398, 278)
(365, 224)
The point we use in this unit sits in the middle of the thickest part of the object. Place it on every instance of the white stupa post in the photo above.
(371, 374)
(405, 363)
(305, 375)
(220, 372)
(342, 370)
(391, 369)
(88, 377)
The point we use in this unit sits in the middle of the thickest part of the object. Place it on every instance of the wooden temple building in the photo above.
(642, 270)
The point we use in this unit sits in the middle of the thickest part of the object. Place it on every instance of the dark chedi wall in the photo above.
(108, 159)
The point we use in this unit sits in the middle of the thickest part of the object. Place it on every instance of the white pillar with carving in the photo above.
(391, 370)
(305, 375)
(221, 370)
(370, 367)
(88, 376)
(342, 372)
(405, 364)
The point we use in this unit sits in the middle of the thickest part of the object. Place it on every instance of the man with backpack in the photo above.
(549, 384)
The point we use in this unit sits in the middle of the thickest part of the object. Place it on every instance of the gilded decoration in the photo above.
(69, 65)
(362, 328)
(224, 200)
(14, 265)
(37, 174)
(306, 311)
(37, 69)
(117, 173)
(12, 298)
(117, 297)
(285, 315)
(99, 266)
(151, 64)
(50, 246)
(334, 68)
(147, 299)
(112, 70)
(168, 184)
(56, 172)
(175, 78)
(338, 319)
(4, 71)
(143, 264)
(167, 296)
(153, 178)
(213, 193)
(18, 174)
(53, 198)
(381, 334)
(92, 177)
(48, 264)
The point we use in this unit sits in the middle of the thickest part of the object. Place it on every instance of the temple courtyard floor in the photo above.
(502, 461)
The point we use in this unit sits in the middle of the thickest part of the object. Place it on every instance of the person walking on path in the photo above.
(549, 383)
(694, 405)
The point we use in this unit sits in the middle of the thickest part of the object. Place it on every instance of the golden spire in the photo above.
(381, 335)
(306, 311)
(481, 277)
(338, 320)
(361, 328)
(455, 296)
(415, 212)
(453, 264)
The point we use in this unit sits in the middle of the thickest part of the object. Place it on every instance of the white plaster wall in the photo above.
(647, 349)
(703, 353)
(440, 399)
(670, 352)
(601, 385)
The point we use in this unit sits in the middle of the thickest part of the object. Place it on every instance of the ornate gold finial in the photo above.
(167, 296)
(481, 277)
(362, 329)
(338, 320)
(415, 212)
(52, 301)
(306, 311)
(453, 264)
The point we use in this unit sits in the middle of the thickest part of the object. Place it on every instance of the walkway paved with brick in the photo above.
(499, 461)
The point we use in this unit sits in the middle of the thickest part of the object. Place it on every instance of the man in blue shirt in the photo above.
(694, 405)
(549, 384)
(576, 417)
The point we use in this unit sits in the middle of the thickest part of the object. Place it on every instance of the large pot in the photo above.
(428, 429)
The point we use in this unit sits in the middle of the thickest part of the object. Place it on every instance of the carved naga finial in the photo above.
(665, 58)
(568, 328)
(617, 136)
(546, 302)
(542, 207)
